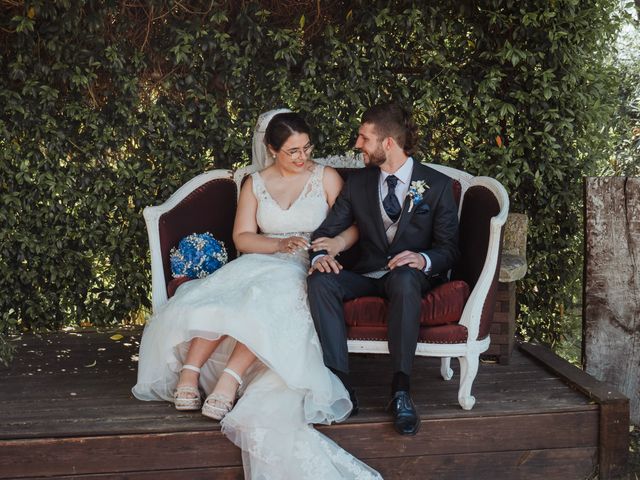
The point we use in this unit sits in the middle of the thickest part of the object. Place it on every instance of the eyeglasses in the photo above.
(296, 153)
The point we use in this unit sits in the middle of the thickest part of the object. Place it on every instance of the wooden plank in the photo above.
(611, 330)
(578, 379)
(216, 473)
(560, 464)
(85, 418)
(121, 453)
(206, 449)
(42, 405)
(468, 435)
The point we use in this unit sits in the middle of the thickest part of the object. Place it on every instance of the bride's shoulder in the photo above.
(265, 174)
(320, 169)
(330, 176)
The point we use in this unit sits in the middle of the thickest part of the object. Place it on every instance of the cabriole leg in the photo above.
(468, 372)
(445, 368)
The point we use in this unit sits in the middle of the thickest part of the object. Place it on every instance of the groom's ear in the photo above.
(389, 143)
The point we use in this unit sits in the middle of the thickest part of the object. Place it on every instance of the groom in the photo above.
(408, 224)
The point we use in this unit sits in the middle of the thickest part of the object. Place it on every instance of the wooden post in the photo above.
(513, 267)
(611, 328)
(503, 327)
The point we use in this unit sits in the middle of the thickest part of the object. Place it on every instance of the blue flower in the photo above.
(197, 255)
(416, 189)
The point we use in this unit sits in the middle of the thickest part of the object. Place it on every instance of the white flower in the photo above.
(416, 189)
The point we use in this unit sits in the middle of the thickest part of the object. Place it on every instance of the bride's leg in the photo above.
(200, 349)
(241, 358)
(218, 404)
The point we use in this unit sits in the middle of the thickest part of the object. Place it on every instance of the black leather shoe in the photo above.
(354, 401)
(407, 421)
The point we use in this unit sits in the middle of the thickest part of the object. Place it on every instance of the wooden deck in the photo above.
(66, 411)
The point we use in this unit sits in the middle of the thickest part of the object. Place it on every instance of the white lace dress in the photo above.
(261, 301)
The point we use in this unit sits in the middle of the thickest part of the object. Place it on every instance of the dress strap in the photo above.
(315, 182)
(259, 190)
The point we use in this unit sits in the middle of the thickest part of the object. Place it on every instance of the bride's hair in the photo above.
(282, 126)
(391, 120)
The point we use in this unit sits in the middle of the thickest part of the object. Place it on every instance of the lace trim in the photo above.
(315, 466)
(312, 188)
(315, 182)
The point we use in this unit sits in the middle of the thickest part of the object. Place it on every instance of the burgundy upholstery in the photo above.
(209, 208)
(440, 306)
(173, 285)
(452, 333)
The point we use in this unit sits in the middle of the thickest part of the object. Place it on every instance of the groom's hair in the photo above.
(391, 120)
(282, 126)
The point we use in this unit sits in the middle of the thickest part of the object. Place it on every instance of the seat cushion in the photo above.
(441, 306)
(452, 333)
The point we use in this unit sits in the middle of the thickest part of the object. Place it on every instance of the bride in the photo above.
(245, 331)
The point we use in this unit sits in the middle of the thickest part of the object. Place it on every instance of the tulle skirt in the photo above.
(259, 300)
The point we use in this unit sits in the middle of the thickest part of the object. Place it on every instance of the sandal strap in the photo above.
(193, 368)
(234, 375)
(226, 402)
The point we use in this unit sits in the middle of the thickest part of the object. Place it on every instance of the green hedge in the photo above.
(110, 106)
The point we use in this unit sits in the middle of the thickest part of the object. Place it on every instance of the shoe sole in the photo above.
(186, 408)
(213, 416)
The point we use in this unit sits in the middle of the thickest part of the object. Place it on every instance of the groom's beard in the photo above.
(375, 158)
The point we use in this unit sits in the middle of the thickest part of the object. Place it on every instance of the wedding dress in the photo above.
(260, 300)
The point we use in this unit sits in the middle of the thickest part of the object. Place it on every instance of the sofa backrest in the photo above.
(209, 208)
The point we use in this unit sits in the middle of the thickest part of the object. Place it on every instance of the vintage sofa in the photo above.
(456, 316)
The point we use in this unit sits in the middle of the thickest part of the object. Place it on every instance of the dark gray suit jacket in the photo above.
(431, 227)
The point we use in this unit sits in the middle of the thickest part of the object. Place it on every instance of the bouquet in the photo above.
(197, 255)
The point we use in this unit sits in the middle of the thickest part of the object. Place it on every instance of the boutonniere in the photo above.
(416, 189)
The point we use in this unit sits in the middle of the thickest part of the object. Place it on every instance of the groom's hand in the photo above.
(407, 257)
(326, 264)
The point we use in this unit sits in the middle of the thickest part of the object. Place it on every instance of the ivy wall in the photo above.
(108, 106)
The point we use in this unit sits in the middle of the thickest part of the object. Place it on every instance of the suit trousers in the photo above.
(403, 287)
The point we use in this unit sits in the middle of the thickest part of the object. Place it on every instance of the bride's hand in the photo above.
(333, 246)
(291, 244)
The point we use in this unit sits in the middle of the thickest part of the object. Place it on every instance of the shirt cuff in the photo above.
(317, 255)
(427, 263)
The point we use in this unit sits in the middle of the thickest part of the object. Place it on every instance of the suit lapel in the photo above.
(406, 215)
(373, 198)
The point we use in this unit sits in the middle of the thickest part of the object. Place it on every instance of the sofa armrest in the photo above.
(482, 295)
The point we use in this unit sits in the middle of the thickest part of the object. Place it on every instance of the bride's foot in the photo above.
(187, 395)
(221, 400)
